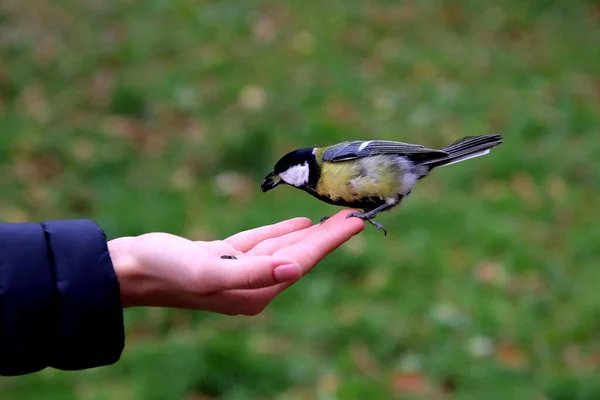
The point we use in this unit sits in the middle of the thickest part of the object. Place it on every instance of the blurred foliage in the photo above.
(164, 115)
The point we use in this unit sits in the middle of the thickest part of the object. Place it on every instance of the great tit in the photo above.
(372, 175)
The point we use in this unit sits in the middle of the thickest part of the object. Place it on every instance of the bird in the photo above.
(369, 175)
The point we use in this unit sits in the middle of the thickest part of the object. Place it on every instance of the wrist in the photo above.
(127, 270)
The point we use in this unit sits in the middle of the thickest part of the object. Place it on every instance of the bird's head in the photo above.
(297, 168)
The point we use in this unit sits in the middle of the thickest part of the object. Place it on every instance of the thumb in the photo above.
(255, 272)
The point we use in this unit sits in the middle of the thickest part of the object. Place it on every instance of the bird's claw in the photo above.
(378, 226)
(368, 218)
(228, 257)
(323, 219)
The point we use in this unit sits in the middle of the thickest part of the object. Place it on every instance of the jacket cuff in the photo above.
(90, 331)
(27, 308)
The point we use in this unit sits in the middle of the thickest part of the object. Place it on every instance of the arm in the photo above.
(61, 303)
(59, 298)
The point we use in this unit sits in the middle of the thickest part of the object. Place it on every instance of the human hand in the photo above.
(164, 270)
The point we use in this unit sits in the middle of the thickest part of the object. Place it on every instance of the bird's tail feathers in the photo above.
(467, 148)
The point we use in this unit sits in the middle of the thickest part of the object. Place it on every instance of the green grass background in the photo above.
(164, 115)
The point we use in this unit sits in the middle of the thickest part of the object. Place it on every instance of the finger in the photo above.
(246, 240)
(251, 272)
(270, 246)
(299, 251)
(323, 240)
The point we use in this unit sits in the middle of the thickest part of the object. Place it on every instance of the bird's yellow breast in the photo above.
(376, 176)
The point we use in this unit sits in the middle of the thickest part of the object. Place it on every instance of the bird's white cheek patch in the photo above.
(296, 175)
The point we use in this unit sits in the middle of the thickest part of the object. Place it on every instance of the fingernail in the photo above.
(288, 272)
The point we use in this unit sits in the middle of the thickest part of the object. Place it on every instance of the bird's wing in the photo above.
(358, 149)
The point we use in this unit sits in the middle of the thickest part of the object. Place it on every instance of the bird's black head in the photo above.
(298, 168)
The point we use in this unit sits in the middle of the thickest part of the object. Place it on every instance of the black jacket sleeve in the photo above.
(59, 298)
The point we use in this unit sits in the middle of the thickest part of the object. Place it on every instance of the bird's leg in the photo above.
(372, 213)
(369, 215)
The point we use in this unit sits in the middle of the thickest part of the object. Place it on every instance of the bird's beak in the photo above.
(270, 182)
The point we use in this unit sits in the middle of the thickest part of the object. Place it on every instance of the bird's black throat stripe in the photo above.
(314, 171)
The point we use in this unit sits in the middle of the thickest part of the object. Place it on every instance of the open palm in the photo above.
(171, 271)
